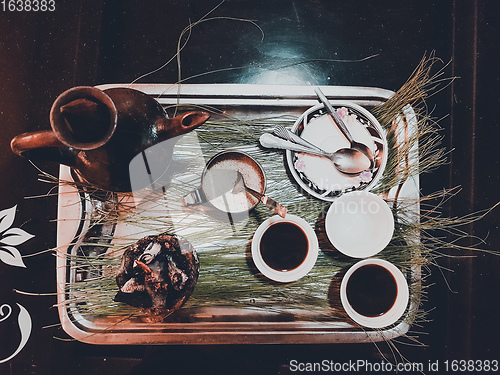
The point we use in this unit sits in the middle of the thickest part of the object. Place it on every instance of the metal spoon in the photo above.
(274, 206)
(341, 163)
(346, 160)
(343, 128)
(284, 133)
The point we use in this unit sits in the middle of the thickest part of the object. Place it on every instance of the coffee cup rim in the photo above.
(296, 273)
(397, 309)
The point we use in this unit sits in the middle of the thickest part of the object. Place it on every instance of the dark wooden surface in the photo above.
(95, 42)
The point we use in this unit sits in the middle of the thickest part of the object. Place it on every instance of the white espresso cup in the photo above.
(374, 293)
(359, 224)
(284, 249)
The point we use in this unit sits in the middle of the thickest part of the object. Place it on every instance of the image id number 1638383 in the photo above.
(471, 366)
(28, 5)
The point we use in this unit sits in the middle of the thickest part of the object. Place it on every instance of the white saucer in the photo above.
(397, 309)
(294, 274)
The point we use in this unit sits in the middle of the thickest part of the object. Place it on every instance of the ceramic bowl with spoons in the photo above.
(317, 175)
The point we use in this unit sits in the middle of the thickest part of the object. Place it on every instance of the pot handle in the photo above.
(42, 145)
(34, 140)
(182, 123)
(195, 197)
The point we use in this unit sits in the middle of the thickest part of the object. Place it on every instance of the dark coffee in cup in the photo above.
(284, 246)
(371, 290)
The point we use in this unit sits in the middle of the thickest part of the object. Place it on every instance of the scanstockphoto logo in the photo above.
(175, 184)
(361, 206)
(178, 186)
(349, 205)
(354, 366)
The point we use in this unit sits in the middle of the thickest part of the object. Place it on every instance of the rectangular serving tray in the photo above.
(220, 325)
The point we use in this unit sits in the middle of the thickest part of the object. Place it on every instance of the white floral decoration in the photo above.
(24, 322)
(11, 237)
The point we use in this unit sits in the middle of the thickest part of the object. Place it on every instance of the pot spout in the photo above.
(181, 124)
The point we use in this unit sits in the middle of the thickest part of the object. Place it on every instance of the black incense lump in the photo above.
(157, 273)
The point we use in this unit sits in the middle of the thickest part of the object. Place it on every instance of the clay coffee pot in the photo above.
(98, 133)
